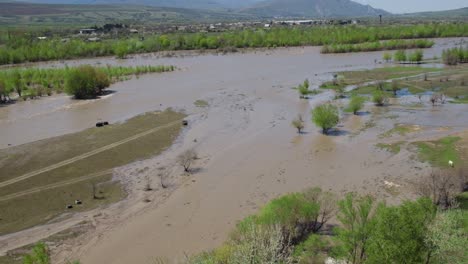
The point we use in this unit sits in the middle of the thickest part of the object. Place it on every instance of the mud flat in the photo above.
(248, 151)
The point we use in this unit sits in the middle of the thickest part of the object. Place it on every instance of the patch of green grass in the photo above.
(459, 101)
(10, 260)
(393, 148)
(462, 199)
(201, 103)
(400, 129)
(439, 152)
(30, 209)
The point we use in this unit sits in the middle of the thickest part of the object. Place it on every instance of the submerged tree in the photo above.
(355, 104)
(298, 123)
(326, 116)
(86, 82)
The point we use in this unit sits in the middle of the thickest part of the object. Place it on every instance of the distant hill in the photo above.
(66, 14)
(188, 4)
(447, 14)
(313, 8)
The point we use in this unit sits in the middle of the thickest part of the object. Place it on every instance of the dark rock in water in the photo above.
(185, 122)
(69, 206)
(106, 123)
(78, 202)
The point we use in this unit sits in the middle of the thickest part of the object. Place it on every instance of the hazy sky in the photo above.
(407, 6)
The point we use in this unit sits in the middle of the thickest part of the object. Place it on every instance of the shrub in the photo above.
(399, 233)
(400, 56)
(85, 82)
(325, 116)
(311, 250)
(292, 212)
(298, 123)
(355, 104)
(395, 87)
(387, 56)
(39, 255)
(447, 237)
(303, 89)
(379, 98)
(187, 158)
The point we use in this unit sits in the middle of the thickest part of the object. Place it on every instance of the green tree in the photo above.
(303, 89)
(17, 83)
(298, 123)
(355, 215)
(325, 116)
(39, 255)
(86, 82)
(395, 87)
(121, 50)
(387, 56)
(355, 104)
(3, 91)
(292, 212)
(400, 56)
(416, 57)
(448, 237)
(379, 98)
(399, 232)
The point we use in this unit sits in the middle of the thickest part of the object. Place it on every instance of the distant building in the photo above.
(267, 25)
(134, 31)
(41, 38)
(87, 31)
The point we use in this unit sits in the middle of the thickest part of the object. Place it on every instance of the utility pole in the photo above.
(380, 16)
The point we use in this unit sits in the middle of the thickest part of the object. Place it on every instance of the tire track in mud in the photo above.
(54, 185)
(86, 155)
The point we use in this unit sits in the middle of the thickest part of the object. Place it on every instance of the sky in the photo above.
(408, 6)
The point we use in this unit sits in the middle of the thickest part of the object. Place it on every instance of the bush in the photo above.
(293, 213)
(379, 98)
(399, 233)
(298, 123)
(387, 56)
(400, 56)
(86, 82)
(303, 89)
(39, 255)
(325, 116)
(355, 104)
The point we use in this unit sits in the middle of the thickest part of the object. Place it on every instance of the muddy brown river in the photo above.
(199, 77)
(249, 153)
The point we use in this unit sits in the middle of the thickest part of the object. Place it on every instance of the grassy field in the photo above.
(39, 179)
(386, 73)
(439, 152)
(393, 148)
(400, 129)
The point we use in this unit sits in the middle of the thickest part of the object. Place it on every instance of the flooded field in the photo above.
(248, 151)
(199, 77)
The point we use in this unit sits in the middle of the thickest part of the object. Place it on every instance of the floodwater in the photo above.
(198, 77)
(249, 153)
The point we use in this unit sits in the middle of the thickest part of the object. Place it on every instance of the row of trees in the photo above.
(24, 49)
(378, 45)
(455, 56)
(36, 82)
